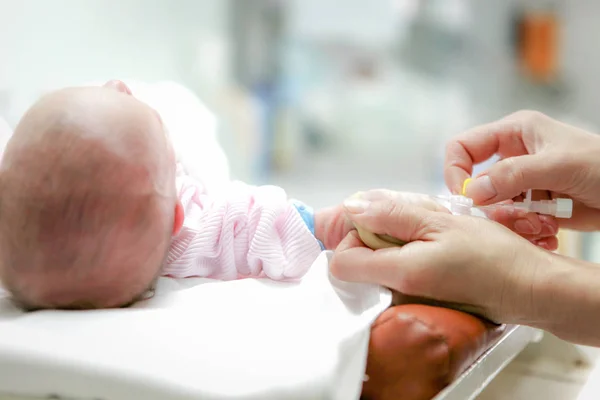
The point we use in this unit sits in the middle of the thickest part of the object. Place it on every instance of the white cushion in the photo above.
(200, 339)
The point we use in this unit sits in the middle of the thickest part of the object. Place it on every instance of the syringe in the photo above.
(559, 208)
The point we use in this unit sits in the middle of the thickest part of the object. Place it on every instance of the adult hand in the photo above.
(332, 224)
(458, 259)
(536, 152)
(474, 262)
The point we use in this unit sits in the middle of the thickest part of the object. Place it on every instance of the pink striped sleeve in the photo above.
(247, 231)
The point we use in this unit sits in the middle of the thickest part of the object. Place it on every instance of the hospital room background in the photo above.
(326, 97)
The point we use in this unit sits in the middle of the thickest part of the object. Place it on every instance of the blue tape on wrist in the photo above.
(308, 216)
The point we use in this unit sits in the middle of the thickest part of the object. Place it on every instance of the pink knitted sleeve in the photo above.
(247, 231)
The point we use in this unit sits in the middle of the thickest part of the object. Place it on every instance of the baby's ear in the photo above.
(119, 86)
(178, 220)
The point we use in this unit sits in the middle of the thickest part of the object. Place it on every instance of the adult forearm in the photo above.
(565, 299)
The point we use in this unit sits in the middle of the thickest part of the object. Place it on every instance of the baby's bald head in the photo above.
(87, 201)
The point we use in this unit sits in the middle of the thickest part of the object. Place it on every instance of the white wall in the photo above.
(50, 43)
(581, 58)
(371, 22)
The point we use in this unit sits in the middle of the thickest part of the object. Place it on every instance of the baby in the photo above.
(95, 207)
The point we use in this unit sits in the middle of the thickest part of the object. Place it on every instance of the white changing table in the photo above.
(472, 382)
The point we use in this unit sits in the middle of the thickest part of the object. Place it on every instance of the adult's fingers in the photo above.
(351, 260)
(549, 243)
(391, 267)
(529, 225)
(512, 176)
(545, 238)
(402, 221)
(477, 145)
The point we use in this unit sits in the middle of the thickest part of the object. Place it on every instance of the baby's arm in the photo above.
(245, 231)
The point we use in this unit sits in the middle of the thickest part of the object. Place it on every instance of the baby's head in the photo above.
(87, 200)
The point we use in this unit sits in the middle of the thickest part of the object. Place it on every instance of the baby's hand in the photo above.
(332, 225)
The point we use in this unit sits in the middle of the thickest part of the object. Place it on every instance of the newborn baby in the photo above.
(95, 207)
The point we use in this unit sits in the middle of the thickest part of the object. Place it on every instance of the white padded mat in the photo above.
(199, 339)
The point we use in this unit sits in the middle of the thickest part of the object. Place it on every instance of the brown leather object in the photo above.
(416, 350)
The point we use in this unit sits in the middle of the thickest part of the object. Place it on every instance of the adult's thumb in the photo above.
(512, 176)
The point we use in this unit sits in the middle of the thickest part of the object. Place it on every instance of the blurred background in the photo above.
(323, 97)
